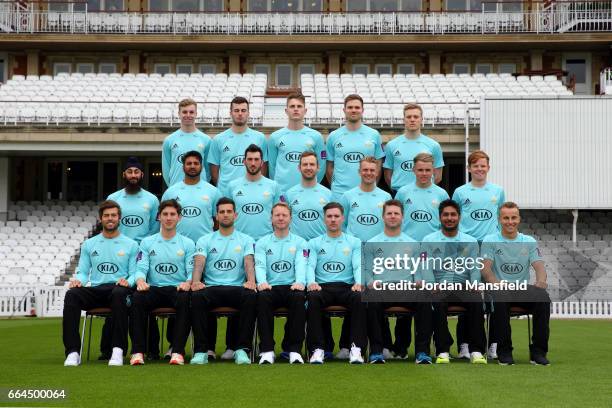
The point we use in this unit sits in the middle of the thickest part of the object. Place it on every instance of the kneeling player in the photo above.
(280, 268)
(163, 279)
(334, 278)
(507, 256)
(451, 259)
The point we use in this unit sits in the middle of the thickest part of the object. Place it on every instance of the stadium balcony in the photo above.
(141, 99)
(41, 241)
(494, 18)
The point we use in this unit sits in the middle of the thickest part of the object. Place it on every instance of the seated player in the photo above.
(334, 278)
(108, 263)
(280, 269)
(393, 214)
(224, 275)
(163, 279)
(451, 258)
(507, 256)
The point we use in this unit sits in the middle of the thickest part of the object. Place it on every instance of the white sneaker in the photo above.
(117, 357)
(72, 360)
(464, 351)
(317, 357)
(343, 354)
(228, 355)
(295, 358)
(355, 355)
(492, 351)
(388, 354)
(267, 358)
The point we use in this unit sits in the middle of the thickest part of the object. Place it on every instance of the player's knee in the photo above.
(315, 296)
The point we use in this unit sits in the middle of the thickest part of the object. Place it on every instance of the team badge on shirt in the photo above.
(380, 204)
(146, 206)
(292, 250)
(205, 198)
(435, 202)
(121, 252)
(180, 252)
(238, 249)
(266, 194)
(346, 251)
(309, 143)
(524, 251)
(322, 201)
(200, 146)
(368, 143)
(493, 199)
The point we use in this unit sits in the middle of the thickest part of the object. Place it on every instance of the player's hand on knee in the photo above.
(358, 287)
(314, 287)
(142, 286)
(297, 286)
(123, 282)
(75, 283)
(195, 286)
(183, 287)
(263, 286)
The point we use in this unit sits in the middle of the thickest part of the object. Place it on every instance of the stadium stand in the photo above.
(139, 99)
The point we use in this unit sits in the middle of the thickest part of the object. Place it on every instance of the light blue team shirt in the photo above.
(307, 209)
(401, 244)
(138, 213)
(281, 261)
(225, 257)
(106, 260)
(227, 152)
(363, 212)
(479, 208)
(254, 201)
(346, 149)
(511, 257)
(285, 147)
(421, 209)
(164, 262)
(199, 202)
(462, 247)
(399, 155)
(334, 259)
(173, 149)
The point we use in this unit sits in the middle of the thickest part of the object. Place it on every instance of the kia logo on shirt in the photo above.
(237, 161)
(420, 216)
(225, 264)
(308, 215)
(512, 268)
(252, 208)
(166, 269)
(132, 221)
(333, 267)
(191, 212)
(353, 157)
(280, 266)
(481, 215)
(367, 219)
(293, 157)
(108, 268)
(180, 158)
(407, 165)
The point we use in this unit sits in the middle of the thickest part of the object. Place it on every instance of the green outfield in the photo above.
(579, 376)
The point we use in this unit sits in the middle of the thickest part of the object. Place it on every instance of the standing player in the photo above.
(400, 152)
(163, 279)
(349, 144)
(508, 254)
(224, 275)
(480, 201)
(393, 214)
(196, 197)
(227, 149)
(286, 145)
(254, 196)
(108, 264)
(363, 204)
(421, 199)
(187, 138)
(334, 278)
(280, 269)
(307, 199)
(440, 249)
(138, 220)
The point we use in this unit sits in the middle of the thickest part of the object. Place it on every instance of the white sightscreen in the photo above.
(550, 153)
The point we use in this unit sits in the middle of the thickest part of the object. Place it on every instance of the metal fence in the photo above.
(561, 17)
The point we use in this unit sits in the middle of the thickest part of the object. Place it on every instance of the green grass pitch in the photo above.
(579, 376)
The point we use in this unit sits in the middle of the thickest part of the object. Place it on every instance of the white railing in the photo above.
(561, 17)
(605, 81)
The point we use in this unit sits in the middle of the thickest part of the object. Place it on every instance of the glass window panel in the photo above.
(312, 5)
(213, 5)
(284, 5)
(461, 69)
(383, 69)
(507, 68)
(185, 5)
(383, 5)
(576, 67)
(356, 5)
(361, 69)
(455, 5)
(306, 69)
(207, 69)
(59, 67)
(284, 74)
(262, 69)
(85, 68)
(405, 69)
(483, 68)
(159, 5)
(107, 68)
(94, 5)
(53, 6)
(258, 5)
(113, 5)
(411, 5)
(184, 68)
(162, 69)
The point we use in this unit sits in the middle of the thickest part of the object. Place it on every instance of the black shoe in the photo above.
(153, 357)
(539, 359)
(104, 356)
(505, 358)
